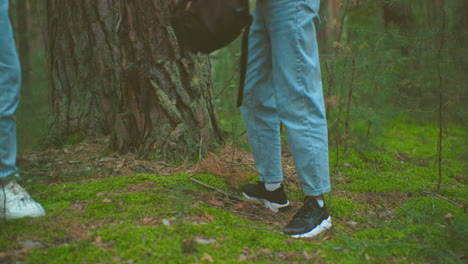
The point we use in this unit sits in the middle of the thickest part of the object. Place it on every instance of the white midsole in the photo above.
(326, 224)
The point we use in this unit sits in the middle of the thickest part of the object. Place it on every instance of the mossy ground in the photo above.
(385, 208)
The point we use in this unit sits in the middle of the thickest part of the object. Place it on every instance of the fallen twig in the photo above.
(442, 197)
(228, 195)
(446, 199)
(238, 163)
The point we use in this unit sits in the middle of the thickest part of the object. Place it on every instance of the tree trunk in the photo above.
(398, 14)
(116, 69)
(333, 16)
(22, 36)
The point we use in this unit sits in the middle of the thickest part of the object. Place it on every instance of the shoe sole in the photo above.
(325, 225)
(33, 212)
(272, 206)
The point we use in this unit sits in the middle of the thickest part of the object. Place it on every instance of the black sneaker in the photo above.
(275, 200)
(309, 221)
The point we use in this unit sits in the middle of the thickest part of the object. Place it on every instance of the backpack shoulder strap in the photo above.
(243, 63)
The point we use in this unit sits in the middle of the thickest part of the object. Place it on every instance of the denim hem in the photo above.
(307, 191)
(13, 176)
(271, 179)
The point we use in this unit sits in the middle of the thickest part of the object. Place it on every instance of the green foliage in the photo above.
(427, 210)
(225, 71)
(441, 226)
(391, 61)
(379, 172)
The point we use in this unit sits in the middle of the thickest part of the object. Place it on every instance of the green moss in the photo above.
(83, 252)
(420, 141)
(44, 229)
(114, 212)
(129, 206)
(212, 180)
(412, 244)
(386, 241)
(457, 193)
(344, 208)
(74, 139)
(381, 173)
(229, 235)
(76, 191)
(363, 181)
(379, 161)
(345, 160)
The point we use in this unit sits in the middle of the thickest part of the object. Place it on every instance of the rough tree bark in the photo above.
(116, 69)
(22, 35)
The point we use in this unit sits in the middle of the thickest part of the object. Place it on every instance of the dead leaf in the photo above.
(100, 194)
(98, 240)
(208, 216)
(216, 203)
(119, 166)
(265, 251)
(309, 255)
(242, 257)
(188, 246)
(107, 200)
(207, 257)
(448, 216)
(291, 255)
(239, 206)
(148, 220)
(336, 45)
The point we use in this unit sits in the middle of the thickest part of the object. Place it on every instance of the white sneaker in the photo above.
(15, 202)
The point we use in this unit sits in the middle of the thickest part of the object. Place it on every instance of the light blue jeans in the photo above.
(283, 84)
(10, 83)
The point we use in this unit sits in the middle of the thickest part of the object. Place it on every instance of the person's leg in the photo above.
(298, 90)
(10, 82)
(299, 101)
(261, 119)
(15, 202)
(259, 107)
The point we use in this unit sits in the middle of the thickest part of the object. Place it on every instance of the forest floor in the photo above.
(108, 208)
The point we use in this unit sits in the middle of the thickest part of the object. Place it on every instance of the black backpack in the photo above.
(208, 25)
